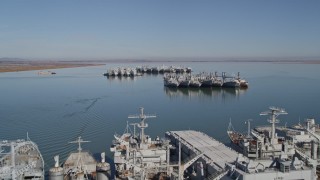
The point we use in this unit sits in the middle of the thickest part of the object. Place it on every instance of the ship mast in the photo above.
(249, 130)
(134, 129)
(274, 112)
(79, 141)
(142, 125)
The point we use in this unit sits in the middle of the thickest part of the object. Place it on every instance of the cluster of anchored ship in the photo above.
(138, 71)
(121, 71)
(204, 80)
(260, 154)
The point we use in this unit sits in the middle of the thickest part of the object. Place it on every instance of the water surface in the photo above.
(81, 102)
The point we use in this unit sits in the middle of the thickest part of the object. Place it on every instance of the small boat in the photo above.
(46, 73)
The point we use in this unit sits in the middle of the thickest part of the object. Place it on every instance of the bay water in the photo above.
(56, 109)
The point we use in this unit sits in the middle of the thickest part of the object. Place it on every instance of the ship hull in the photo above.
(207, 83)
(231, 84)
(184, 84)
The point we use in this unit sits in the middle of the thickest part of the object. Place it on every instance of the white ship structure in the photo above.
(20, 160)
(138, 156)
(264, 154)
(260, 154)
(204, 79)
(80, 165)
(140, 70)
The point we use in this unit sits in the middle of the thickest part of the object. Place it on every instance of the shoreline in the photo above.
(15, 66)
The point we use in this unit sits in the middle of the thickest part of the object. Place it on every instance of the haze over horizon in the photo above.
(153, 30)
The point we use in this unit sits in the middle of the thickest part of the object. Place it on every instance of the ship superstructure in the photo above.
(266, 155)
(204, 79)
(80, 165)
(261, 142)
(140, 156)
(20, 159)
(306, 140)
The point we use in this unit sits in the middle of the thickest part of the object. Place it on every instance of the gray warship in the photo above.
(204, 80)
(140, 156)
(264, 154)
(80, 165)
(20, 160)
(261, 142)
(194, 155)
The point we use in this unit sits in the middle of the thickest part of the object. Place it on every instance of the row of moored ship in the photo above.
(204, 80)
(260, 154)
(178, 76)
(138, 71)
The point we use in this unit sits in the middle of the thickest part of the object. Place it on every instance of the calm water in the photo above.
(81, 102)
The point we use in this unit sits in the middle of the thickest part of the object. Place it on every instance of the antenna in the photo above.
(230, 127)
(79, 141)
(142, 124)
(28, 139)
(127, 130)
(285, 125)
(248, 122)
(134, 129)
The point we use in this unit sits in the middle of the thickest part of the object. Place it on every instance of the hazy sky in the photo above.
(101, 29)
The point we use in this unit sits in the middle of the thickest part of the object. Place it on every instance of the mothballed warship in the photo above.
(262, 154)
(194, 155)
(265, 155)
(80, 165)
(140, 156)
(20, 159)
(261, 142)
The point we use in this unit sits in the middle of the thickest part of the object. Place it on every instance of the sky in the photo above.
(159, 29)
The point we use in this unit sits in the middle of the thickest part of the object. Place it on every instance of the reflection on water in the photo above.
(121, 78)
(132, 77)
(224, 93)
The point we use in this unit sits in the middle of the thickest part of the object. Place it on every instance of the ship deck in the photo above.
(214, 152)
